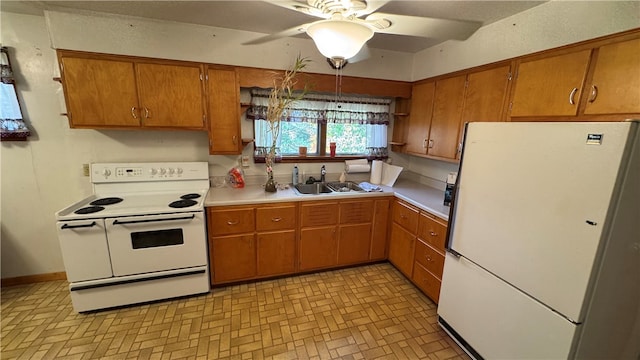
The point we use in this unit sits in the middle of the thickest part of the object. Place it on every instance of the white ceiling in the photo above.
(262, 17)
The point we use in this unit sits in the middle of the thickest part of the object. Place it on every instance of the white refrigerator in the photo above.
(543, 250)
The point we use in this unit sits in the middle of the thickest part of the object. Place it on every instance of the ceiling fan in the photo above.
(347, 25)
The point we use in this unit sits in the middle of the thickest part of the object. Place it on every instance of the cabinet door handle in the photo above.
(571, 95)
(430, 144)
(424, 143)
(133, 112)
(276, 219)
(146, 113)
(594, 93)
(232, 222)
(235, 140)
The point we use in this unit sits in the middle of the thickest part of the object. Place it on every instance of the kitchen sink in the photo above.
(316, 188)
(347, 186)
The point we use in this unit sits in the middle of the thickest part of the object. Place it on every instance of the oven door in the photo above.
(148, 243)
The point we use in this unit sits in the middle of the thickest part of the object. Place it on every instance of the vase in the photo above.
(270, 185)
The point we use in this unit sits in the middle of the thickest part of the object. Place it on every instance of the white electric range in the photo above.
(140, 237)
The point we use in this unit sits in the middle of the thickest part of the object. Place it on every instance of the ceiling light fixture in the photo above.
(338, 38)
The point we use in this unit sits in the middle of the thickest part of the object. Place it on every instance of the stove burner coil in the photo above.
(89, 210)
(190, 196)
(106, 201)
(183, 203)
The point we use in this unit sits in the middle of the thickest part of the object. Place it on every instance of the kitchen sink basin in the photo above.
(347, 186)
(316, 188)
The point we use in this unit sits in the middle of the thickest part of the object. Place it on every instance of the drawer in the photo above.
(432, 230)
(406, 216)
(426, 282)
(276, 218)
(319, 214)
(354, 212)
(235, 221)
(428, 257)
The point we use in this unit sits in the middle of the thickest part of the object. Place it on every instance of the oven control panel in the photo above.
(133, 172)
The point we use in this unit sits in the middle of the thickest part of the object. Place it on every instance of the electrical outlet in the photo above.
(245, 160)
(85, 169)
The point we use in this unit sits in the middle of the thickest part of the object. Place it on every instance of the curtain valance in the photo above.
(320, 108)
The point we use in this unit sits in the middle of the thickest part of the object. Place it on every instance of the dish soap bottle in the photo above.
(295, 175)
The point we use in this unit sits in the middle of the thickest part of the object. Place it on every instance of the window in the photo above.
(357, 125)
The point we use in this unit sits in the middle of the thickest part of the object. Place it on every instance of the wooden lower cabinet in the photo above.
(234, 258)
(276, 253)
(354, 243)
(416, 246)
(401, 249)
(318, 248)
(256, 241)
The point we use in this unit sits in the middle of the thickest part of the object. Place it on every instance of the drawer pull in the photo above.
(429, 259)
(403, 216)
(433, 233)
(232, 222)
(276, 219)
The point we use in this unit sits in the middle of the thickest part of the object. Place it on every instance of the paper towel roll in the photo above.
(357, 168)
(376, 172)
(356, 162)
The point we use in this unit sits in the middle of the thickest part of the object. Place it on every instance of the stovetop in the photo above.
(133, 189)
(138, 203)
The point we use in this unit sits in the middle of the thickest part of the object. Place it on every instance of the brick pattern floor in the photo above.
(368, 312)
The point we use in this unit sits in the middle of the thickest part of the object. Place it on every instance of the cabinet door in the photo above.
(354, 242)
(445, 121)
(380, 230)
(276, 253)
(486, 95)
(401, 248)
(234, 257)
(100, 92)
(224, 112)
(550, 86)
(318, 248)
(171, 96)
(615, 87)
(354, 212)
(420, 117)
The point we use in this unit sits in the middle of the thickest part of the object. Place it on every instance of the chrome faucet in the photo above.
(323, 172)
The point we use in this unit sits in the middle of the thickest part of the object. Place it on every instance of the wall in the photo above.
(43, 175)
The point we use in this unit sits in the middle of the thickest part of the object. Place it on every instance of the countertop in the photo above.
(422, 196)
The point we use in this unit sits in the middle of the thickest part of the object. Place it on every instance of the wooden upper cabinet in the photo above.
(420, 117)
(114, 91)
(615, 85)
(224, 111)
(445, 121)
(171, 95)
(486, 95)
(550, 86)
(100, 93)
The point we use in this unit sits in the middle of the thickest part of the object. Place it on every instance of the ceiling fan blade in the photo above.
(426, 27)
(372, 6)
(299, 7)
(282, 34)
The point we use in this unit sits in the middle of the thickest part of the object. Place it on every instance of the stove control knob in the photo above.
(163, 171)
(171, 171)
(179, 171)
(106, 172)
(153, 171)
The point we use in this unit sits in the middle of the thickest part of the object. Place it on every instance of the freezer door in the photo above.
(532, 203)
(497, 320)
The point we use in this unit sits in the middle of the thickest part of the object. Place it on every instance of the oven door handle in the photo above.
(116, 222)
(67, 226)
